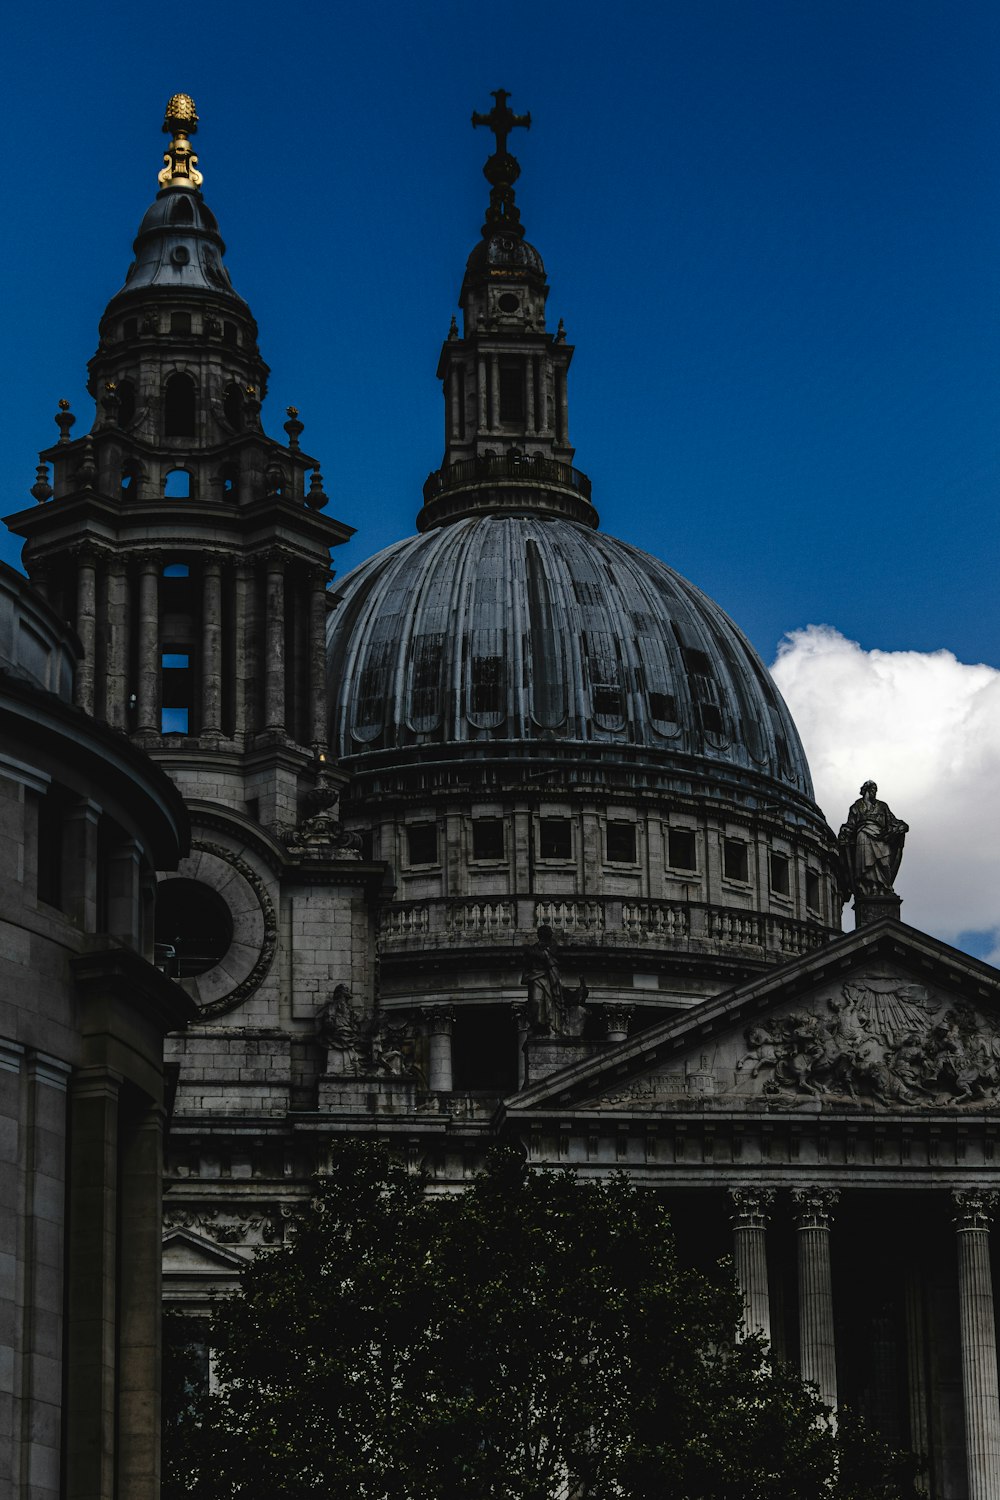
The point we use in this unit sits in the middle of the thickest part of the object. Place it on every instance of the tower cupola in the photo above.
(507, 444)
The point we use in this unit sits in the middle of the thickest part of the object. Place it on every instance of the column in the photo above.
(317, 660)
(79, 864)
(147, 687)
(916, 1365)
(86, 622)
(521, 1021)
(91, 1276)
(274, 645)
(529, 393)
(494, 392)
(563, 434)
(122, 876)
(481, 394)
(139, 1317)
(817, 1354)
(439, 1020)
(975, 1208)
(454, 397)
(751, 1211)
(211, 647)
(116, 676)
(244, 626)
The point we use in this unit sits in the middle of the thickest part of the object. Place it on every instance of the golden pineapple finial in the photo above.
(179, 161)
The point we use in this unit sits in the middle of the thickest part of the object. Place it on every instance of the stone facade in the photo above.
(85, 821)
(509, 835)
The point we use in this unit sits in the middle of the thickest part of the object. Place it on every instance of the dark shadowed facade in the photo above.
(508, 834)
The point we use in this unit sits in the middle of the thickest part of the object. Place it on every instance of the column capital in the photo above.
(751, 1207)
(438, 1019)
(619, 1018)
(147, 561)
(813, 1206)
(975, 1207)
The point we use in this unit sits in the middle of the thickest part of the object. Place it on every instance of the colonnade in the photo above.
(107, 587)
(813, 1209)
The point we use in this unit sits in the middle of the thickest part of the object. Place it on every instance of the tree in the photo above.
(532, 1337)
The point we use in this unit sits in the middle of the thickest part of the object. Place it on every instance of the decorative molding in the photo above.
(752, 1207)
(259, 972)
(975, 1207)
(813, 1206)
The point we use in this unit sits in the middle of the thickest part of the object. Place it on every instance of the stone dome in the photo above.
(497, 629)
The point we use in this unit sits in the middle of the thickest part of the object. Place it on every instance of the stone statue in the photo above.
(340, 1029)
(871, 846)
(548, 1001)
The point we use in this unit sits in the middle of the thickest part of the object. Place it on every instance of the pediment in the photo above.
(186, 1253)
(885, 1020)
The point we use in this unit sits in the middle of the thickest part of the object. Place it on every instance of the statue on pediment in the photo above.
(871, 846)
(549, 1002)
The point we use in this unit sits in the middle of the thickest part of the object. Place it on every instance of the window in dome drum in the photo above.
(425, 689)
(812, 890)
(555, 838)
(422, 844)
(735, 860)
(682, 849)
(620, 843)
(711, 718)
(779, 875)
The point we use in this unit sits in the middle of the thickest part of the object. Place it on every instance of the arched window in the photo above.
(232, 406)
(130, 482)
(178, 406)
(176, 570)
(230, 481)
(126, 403)
(177, 485)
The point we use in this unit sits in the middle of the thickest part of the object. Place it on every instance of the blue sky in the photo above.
(772, 230)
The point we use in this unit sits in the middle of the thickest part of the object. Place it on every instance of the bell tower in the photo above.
(504, 375)
(187, 546)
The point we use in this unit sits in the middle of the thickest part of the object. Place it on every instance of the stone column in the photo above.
(86, 622)
(274, 644)
(751, 1211)
(139, 1315)
(454, 388)
(481, 394)
(244, 614)
(916, 1365)
(91, 1277)
(529, 394)
(817, 1353)
(147, 694)
(116, 675)
(494, 392)
(79, 864)
(439, 1020)
(563, 399)
(317, 660)
(211, 647)
(975, 1209)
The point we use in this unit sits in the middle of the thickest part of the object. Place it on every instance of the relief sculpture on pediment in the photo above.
(883, 1040)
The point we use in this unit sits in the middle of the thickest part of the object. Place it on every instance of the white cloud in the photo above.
(926, 727)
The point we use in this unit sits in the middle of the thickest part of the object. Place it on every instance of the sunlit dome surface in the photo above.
(535, 630)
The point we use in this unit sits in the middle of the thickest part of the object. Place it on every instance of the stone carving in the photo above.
(813, 1206)
(870, 845)
(263, 1229)
(884, 1040)
(549, 1003)
(751, 1206)
(394, 1054)
(321, 834)
(265, 958)
(342, 1029)
(976, 1207)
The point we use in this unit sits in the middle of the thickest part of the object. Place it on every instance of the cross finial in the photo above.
(501, 119)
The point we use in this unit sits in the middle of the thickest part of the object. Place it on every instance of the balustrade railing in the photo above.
(570, 916)
(481, 916)
(506, 466)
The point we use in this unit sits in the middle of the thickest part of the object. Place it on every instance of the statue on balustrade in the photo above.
(871, 846)
(549, 1002)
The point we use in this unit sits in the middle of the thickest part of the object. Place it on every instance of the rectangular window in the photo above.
(422, 843)
(779, 875)
(511, 375)
(487, 838)
(176, 678)
(735, 860)
(812, 890)
(621, 843)
(555, 838)
(180, 322)
(711, 718)
(662, 706)
(682, 849)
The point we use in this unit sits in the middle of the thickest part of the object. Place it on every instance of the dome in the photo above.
(504, 252)
(497, 629)
(179, 248)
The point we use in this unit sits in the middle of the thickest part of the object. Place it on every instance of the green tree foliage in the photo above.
(532, 1337)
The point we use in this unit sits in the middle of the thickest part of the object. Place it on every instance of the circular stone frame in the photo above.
(243, 967)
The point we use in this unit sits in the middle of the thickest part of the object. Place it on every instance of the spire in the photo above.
(179, 161)
(502, 170)
(507, 446)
